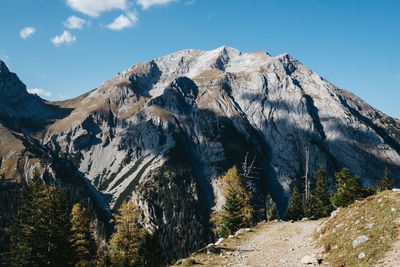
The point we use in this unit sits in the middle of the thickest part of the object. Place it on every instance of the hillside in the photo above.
(162, 132)
(332, 240)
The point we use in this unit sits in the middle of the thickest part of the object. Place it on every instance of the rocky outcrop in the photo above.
(195, 114)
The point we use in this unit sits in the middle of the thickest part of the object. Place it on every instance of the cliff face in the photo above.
(163, 130)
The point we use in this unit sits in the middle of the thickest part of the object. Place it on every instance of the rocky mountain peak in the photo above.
(11, 86)
(3, 68)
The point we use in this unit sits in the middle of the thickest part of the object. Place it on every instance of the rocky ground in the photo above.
(269, 244)
(392, 257)
(283, 244)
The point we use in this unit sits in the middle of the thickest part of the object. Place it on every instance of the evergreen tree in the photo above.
(386, 183)
(124, 242)
(273, 213)
(24, 243)
(348, 189)
(149, 251)
(40, 234)
(322, 202)
(237, 212)
(82, 240)
(232, 218)
(58, 228)
(295, 208)
(308, 205)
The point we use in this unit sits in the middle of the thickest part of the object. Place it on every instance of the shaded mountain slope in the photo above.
(127, 137)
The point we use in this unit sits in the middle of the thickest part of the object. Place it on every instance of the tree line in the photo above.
(47, 232)
(326, 195)
(322, 201)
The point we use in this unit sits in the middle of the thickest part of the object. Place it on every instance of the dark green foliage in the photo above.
(99, 177)
(308, 207)
(322, 203)
(273, 213)
(82, 241)
(348, 189)
(177, 198)
(9, 195)
(149, 252)
(132, 185)
(233, 217)
(386, 183)
(128, 173)
(41, 234)
(295, 208)
(104, 184)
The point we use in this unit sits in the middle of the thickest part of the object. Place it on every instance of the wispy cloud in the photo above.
(27, 32)
(191, 2)
(65, 37)
(4, 58)
(74, 22)
(146, 4)
(123, 21)
(39, 91)
(61, 96)
(94, 8)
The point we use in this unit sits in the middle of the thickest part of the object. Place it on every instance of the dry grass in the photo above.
(379, 212)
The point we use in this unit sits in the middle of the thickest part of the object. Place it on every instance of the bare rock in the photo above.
(360, 240)
(309, 259)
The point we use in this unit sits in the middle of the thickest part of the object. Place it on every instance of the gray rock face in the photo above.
(276, 102)
(206, 110)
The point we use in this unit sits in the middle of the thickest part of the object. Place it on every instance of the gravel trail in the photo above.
(283, 244)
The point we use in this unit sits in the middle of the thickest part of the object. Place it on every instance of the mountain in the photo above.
(162, 131)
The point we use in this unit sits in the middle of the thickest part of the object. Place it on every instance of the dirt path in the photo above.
(392, 257)
(282, 244)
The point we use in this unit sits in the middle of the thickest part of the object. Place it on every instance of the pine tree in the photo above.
(308, 205)
(348, 189)
(322, 202)
(233, 217)
(237, 212)
(386, 183)
(40, 234)
(58, 228)
(272, 213)
(82, 240)
(124, 242)
(149, 251)
(24, 243)
(295, 208)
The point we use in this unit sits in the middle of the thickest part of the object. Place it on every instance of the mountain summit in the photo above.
(162, 131)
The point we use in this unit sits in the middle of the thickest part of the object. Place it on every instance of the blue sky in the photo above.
(353, 44)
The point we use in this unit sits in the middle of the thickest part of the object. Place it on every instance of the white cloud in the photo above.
(74, 22)
(146, 4)
(94, 8)
(191, 2)
(4, 58)
(61, 96)
(66, 37)
(39, 91)
(123, 21)
(27, 32)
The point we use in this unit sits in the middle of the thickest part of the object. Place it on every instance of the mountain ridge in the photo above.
(127, 137)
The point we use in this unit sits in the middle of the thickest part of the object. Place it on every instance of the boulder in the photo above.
(309, 259)
(360, 240)
(219, 241)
